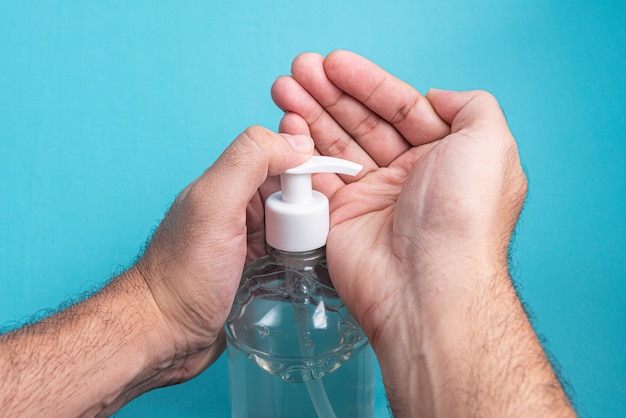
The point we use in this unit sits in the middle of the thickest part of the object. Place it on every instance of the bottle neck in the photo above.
(298, 259)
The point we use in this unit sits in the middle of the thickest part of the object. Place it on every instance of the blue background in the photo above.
(109, 108)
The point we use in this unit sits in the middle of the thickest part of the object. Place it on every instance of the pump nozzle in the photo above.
(296, 184)
(296, 218)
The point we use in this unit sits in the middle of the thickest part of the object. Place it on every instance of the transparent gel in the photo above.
(294, 350)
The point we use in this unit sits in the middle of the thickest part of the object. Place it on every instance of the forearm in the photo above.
(90, 358)
(471, 352)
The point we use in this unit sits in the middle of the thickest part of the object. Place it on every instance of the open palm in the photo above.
(423, 195)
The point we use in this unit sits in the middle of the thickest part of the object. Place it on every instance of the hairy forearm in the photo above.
(87, 360)
(471, 352)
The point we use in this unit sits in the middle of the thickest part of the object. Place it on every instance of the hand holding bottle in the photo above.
(418, 243)
(160, 322)
(194, 261)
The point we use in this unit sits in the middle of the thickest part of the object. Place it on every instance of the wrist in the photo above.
(466, 340)
(180, 346)
(145, 325)
(89, 359)
(140, 350)
(161, 350)
(428, 328)
(144, 352)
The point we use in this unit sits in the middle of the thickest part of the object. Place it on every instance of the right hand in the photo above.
(442, 186)
(418, 242)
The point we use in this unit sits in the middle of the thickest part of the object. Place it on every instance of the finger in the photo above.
(241, 169)
(375, 135)
(470, 110)
(394, 100)
(477, 115)
(292, 97)
(293, 124)
(326, 183)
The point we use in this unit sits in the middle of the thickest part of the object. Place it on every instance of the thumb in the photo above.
(474, 110)
(253, 156)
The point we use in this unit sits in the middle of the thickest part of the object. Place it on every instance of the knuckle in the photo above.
(405, 110)
(256, 138)
(487, 98)
(253, 141)
(338, 146)
(366, 125)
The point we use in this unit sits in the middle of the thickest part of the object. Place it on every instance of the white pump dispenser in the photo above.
(297, 217)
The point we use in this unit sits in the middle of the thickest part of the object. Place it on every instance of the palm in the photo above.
(355, 110)
(366, 238)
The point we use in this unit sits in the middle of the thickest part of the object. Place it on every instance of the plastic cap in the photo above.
(297, 217)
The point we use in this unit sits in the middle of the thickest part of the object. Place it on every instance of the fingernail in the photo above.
(432, 90)
(300, 143)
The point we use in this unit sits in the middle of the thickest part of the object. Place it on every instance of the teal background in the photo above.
(109, 108)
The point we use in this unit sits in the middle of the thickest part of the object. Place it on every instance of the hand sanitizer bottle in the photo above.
(294, 349)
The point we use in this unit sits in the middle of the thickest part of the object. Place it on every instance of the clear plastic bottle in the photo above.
(294, 349)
